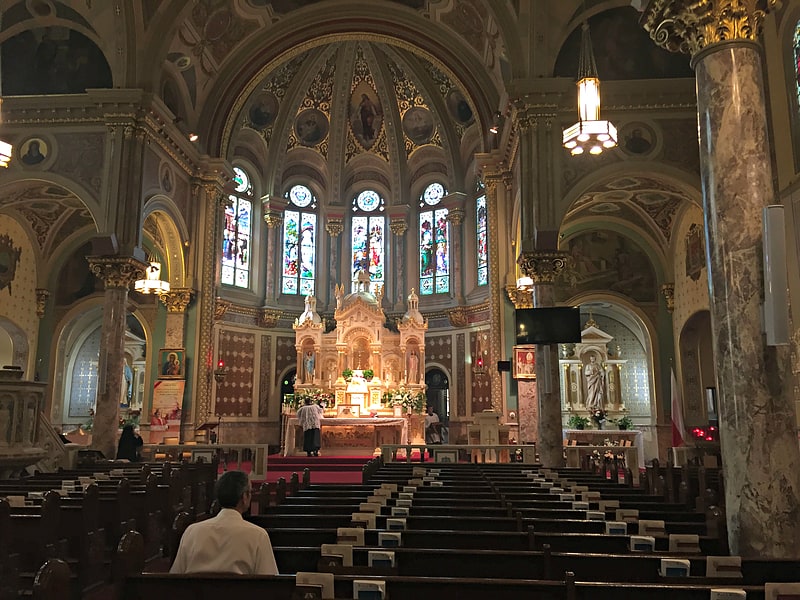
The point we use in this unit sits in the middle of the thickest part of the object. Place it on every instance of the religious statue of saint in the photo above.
(308, 365)
(413, 367)
(595, 384)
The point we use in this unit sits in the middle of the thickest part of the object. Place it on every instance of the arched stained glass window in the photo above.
(236, 233)
(367, 239)
(299, 243)
(434, 243)
(483, 243)
(796, 47)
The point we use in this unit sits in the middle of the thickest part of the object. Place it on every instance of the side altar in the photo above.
(354, 367)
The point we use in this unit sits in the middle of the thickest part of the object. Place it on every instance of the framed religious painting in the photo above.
(171, 363)
(523, 365)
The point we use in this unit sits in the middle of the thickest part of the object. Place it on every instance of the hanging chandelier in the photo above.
(152, 283)
(589, 134)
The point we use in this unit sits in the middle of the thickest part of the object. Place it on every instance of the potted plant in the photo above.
(368, 374)
(577, 422)
(347, 374)
(624, 423)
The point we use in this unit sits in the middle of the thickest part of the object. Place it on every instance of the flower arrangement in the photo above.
(577, 422)
(347, 374)
(368, 374)
(317, 396)
(411, 402)
(624, 422)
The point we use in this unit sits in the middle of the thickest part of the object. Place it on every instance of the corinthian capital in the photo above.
(519, 298)
(689, 26)
(334, 227)
(116, 271)
(542, 266)
(177, 299)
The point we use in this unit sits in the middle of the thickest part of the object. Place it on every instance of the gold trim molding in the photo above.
(41, 301)
(668, 289)
(691, 26)
(520, 298)
(268, 318)
(542, 266)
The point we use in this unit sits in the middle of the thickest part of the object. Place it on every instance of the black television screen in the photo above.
(552, 325)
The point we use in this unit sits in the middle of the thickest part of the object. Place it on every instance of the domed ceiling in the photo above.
(363, 109)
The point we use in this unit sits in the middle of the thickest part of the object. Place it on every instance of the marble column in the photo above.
(177, 301)
(118, 273)
(758, 429)
(398, 228)
(543, 267)
(334, 227)
(455, 217)
(274, 220)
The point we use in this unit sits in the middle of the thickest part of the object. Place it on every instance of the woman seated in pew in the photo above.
(227, 543)
(130, 444)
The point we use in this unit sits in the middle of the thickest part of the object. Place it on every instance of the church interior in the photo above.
(213, 209)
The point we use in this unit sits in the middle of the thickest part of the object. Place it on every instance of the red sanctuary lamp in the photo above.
(705, 434)
(221, 371)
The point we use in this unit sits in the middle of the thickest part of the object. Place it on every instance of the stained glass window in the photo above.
(299, 244)
(483, 245)
(236, 233)
(796, 46)
(432, 195)
(367, 235)
(434, 252)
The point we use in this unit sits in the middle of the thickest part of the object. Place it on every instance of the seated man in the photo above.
(227, 543)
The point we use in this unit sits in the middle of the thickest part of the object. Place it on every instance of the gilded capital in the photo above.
(177, 299)
(668, 289)
(334, 227)
(458, 316)
(272, 218)
(398, 226)
(220, 308)
(520, 298)
(689, 26)
(542, 266)
(268, 318)
(116, 271)
(41, 301)
(455, 216)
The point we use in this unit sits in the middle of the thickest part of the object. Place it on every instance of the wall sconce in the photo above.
(221, 372)
(152, 283)
(495, 128)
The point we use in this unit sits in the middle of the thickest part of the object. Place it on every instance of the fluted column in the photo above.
(398, 228)
(543, 267)
(455, 217)
(758, 429)
(177, 301)
(273, 220)
(117, 273)
(334, 227)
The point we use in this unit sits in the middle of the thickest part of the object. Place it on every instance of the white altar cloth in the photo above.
(293, 433)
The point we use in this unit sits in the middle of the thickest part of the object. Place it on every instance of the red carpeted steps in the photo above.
(324, 469)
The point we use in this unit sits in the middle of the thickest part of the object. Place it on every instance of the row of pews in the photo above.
(472, 531)
(79, 517)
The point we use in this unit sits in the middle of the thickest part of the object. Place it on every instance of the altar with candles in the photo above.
(358, 364)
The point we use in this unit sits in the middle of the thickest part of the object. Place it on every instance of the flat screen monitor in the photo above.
(552, 325)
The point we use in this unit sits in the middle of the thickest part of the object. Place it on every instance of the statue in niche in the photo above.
(413, 367)
(595, 384)
(308, 366)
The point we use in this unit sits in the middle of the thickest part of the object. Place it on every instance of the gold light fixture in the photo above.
(495, 128)
(152, 283)
(590, 133)
(221, 372)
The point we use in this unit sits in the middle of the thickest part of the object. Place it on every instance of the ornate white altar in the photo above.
(349, 436)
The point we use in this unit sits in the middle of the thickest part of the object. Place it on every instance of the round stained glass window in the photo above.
(241, 180)
(368, 200)
(300, 196)
(433, 194)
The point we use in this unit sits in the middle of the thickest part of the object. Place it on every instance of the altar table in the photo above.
(348, 436)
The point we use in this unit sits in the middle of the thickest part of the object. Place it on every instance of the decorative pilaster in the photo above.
(117, 273)
(455, 216)
(335, 227)
(543, 268)
(41, 301)
(398, 228)
(274, 220)
(177, 301)
(668, 290)
(758, 429)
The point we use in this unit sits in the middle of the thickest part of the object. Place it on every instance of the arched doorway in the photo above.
(438, 396)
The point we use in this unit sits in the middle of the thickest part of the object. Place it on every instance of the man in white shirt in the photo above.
(227, 543)
(309, 417)
(432, 427)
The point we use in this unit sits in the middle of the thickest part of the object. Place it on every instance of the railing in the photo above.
(453, 453)
(251, 458)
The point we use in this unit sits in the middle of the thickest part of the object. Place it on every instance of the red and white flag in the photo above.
(678, 430)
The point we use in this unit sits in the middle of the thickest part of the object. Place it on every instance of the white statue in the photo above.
(595, 384)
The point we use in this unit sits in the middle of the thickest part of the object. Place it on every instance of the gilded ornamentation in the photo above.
(334, 227)
(458, 316)
(520, 298)
(41, 301)
(456, 216)
(542, 266)
(116, 271)
(272, 218)
(177, 300)
(220, 308)
(9, 258)
(268, 318)
(398, 226)
(668, 289)
(689, 27)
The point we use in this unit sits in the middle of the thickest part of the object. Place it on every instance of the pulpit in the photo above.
(488, 431)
